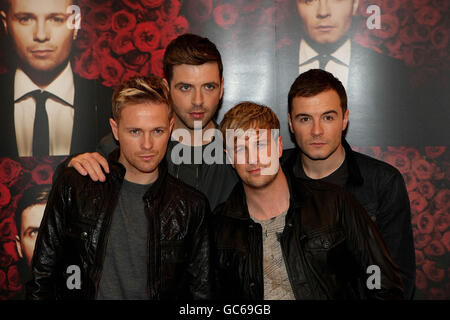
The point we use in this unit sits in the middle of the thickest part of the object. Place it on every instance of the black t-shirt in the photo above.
(338, 177)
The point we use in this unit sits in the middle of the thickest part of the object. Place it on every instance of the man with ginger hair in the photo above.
(142, 234)
(282, 238)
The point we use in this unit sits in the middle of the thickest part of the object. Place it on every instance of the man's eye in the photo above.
(304, 119)
(185, 87)
(158, 131)
(24, 20)
(328, 118)
(210, 86)
(57, 19)
(134, 131)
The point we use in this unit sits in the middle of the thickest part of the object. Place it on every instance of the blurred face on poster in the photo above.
(26, 239)
(327, 21)
(40, 33)
(195, 91)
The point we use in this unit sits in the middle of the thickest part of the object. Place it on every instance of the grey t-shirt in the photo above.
(124, 274)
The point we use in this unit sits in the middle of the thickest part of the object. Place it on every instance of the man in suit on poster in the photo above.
(46, 108)
(377, 85)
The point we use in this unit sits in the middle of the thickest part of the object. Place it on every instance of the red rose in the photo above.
(426, 188)
(403, 16)
(170, 9)
(425, 223)
(432, 272)
(199, 10)
(434, 249)
(146, 36)
(100, 18)
(157, 62)
(421, 33)
(129, 74)
(86, 38)
(439, 174)
(439, 37)
(422, 169)
(419, 257)
(419, 3)
(446, 240)
(421, 240)
(134, 60)
(14, 281)
(428, 16)
(10, 249)
(111, 71)
(434, 152)
(441, 220)
(102, 46)
(9, 170)
(421, 280)
(389, 27)
(442, 199)
(412, 153)
(123, 21)
(42, 174)
(133, 4)
(3, 282)
(410, 181)
(398, 160)
(123, 43)
(146, 69)
(406, 34)
(440, 5)
(181, 25)
(152, 3)
(88, 65)
(5, 195)
(8, 229)
(225, 15)
(100, 3)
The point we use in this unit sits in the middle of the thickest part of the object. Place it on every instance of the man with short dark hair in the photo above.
(278, 237)
(142, 234)
(318, 114)
(47, 109)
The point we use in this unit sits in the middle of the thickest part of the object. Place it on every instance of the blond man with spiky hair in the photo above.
(142, 234)
(282, 238)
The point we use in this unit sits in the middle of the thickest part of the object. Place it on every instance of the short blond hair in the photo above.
(139, 90)
(249, 115)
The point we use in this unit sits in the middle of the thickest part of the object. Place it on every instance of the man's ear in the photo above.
(171, 122)
(346, 113)
(290, 123)
(166, 83)
(19, 246)
(114, 128)
(221, 88)
(280, 146)
(355, 7)
(3, 18)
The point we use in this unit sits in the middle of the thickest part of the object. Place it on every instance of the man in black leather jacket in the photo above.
(142, 234)
(317, 97)
(280, 237)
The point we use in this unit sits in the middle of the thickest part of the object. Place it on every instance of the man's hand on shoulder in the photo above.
(90, 164)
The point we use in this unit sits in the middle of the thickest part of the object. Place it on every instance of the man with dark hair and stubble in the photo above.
(318, 115)
(141, 234)
(194, 74)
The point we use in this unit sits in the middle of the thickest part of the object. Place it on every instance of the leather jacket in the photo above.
(328, 243)
(75, 229)
(381, 190)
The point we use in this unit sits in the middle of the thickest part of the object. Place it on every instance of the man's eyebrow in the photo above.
(308, 115)
(328, 112)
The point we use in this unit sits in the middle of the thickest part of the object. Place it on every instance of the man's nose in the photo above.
(41, 31)
(323, 9)
(147, 141)
(317, 129)
(197, 98)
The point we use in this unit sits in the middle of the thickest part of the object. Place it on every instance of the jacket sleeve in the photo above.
(49, 246)
(394, 222)
(369, 250)
(199, 268)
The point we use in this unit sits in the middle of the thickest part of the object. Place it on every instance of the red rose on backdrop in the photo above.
(417, 201)
(421, 280)
(123, 21)
(86, 38)
(389, 27)
(130, 74)
(421, 33)
(15, 283)
(440, 5)
(157, 62)
(123, 43)
(434, 152)
(103, 44)
(101, 18)
(225, 15)
(441, 220)
(152, 3)
(410, 181)
(199, 10)
(421, 240)
(10, 248)
(427, 15)
(439, 37)
(88, 65)
(422, 168)
(432, 272)
(133, 4)
(112, 71)
(42, 174)
(419, 257)
(146, 36)
(406, 35)
(134, 59)
(8, 229)
(170, 9)
(425, 223)
(5, 195)
(398, 160)
(446, 240)
(172, 30)
(434, 249)
(442, 199)
(390, 6)
(426, 188)
(99, 3)
(9, 170)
